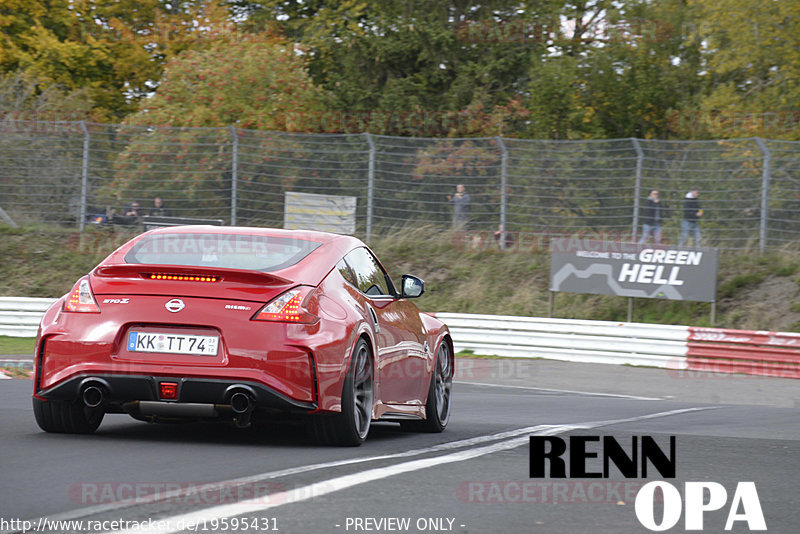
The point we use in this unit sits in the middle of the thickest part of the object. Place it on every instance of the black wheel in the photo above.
(351, 426)
(66, 417)
(437, 409)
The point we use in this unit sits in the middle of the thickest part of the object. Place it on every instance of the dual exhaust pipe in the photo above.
(94, 391)
(240, 398)
(241, 402)
(93, 396)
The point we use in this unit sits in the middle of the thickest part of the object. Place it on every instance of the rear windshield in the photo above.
(233, 251)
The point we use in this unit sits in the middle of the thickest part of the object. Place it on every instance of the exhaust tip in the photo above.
(92, 396)
(241, 402)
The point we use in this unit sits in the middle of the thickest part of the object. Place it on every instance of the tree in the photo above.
(181, 141)
(23, 97)
(39, 162)
(751, 55)
(250, 81)
(615, 70)
(115, 50)
(405, 58)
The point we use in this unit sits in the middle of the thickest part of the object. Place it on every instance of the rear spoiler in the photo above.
(143, 271)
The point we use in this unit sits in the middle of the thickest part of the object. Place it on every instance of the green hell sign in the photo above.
(631, 270)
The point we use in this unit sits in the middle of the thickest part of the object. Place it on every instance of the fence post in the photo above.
(637, 190)
(234, 173)
(503, 181)
(84, 176)
(370, 183)
(762, 235)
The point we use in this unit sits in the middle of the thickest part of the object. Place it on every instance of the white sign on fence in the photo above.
(327, 213)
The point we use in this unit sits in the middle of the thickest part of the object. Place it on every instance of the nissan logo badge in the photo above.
(175, 305)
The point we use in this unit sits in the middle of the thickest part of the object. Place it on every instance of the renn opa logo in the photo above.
(698, 497)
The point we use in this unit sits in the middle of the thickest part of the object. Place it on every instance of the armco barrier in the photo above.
(20, 316)
(715, 350)
(739, 351)
(569, 340)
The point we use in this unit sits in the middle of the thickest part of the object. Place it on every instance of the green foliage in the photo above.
(22, 96)
(751, 53)
(556, 69)
(248, 81)
(729, 287)
(409, 57)
(113, 50)
(244, 81)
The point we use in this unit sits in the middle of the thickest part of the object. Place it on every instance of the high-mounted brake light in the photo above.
(288, 308)
(81, 298)
(183, 277)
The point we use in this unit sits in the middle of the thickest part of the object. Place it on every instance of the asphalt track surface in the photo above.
(471, 478)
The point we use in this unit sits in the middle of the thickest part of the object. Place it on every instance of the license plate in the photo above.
(172, 343)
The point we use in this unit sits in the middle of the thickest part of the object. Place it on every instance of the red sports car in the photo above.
(204, 322)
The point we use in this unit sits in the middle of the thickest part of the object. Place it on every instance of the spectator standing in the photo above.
(159, 209)
(690, 224)
(652, 215)
(460, 202)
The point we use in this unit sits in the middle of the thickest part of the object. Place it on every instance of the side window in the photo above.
(346, 273)
(370, 278)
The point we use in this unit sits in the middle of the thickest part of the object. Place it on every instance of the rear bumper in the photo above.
(123, 389)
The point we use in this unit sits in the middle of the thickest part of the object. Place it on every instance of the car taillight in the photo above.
(288, 308)
(81, 298)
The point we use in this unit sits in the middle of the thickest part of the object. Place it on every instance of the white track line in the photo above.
(252, 479)
(591, 393)
(335, 484)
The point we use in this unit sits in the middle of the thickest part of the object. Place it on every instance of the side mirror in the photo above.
(413, 287)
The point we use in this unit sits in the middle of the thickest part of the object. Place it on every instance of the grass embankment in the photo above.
(754, 291)
(16, 345)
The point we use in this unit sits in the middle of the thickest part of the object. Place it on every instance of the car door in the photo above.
(400, 368)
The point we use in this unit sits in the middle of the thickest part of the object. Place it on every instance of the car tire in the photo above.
(351, 426)
(66, 417)
(437, 408)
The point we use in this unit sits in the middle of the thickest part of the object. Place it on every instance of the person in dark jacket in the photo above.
(159, 209)
(690, 224)
(653, 213)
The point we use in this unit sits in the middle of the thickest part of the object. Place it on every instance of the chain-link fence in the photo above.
(69, 172)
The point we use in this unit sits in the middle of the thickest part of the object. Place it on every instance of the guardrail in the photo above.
(569, 340)
(739, 351)
(716, 350)
(711, 350)
(20, 316)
